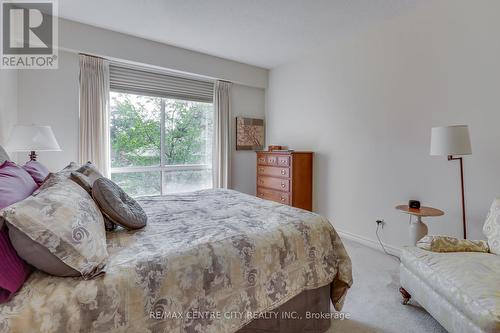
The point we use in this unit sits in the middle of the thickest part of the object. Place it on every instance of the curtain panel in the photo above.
(221, 163)
(94, 113)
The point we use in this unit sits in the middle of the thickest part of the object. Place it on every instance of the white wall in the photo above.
(246, 102)
(8, 102)
(50, 97)
(366, 108)
(77, 37)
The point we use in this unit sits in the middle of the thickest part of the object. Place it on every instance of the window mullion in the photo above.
(162, 146)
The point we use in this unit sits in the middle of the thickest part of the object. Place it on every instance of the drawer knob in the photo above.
(283, 185)
(261, 169)
(283, 199)
(283, 172)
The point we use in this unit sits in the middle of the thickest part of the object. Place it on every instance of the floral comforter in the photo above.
(207, 261)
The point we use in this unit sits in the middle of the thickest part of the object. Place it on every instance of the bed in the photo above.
(208, 261)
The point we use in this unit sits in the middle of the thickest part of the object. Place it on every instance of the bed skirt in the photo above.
(314, 301)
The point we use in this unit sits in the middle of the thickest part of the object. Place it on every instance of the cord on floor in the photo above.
(383, 247)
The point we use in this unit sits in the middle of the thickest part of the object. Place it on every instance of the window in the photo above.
(160, 145)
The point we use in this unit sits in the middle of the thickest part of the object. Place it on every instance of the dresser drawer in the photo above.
(273, 171)
(272, 195)
(283, 161)
(261, 159)
(272, 160)
(274, 183)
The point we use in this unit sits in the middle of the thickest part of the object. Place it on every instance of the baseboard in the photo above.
(374, 244)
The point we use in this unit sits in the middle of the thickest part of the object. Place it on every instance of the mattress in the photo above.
(208, 261)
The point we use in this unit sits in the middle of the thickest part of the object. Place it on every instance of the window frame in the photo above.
(163, 168)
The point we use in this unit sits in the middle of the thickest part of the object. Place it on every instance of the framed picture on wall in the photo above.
(249, 133)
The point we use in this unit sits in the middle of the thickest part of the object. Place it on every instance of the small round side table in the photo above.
(418, 228)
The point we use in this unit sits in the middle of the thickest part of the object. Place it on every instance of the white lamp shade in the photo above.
(32, 138)
(450, 140)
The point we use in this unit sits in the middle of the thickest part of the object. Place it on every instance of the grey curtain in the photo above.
(94, 117)
(221, 162)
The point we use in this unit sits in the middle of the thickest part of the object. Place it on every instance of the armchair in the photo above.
(457, 281)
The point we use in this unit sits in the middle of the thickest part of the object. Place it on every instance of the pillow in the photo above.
(13, 270)
(90, 171)
(15, 184)
(86, 183)
(491, 228)
(63, 219)
(37, 171)
(108, 224)
(82, 180)
(38, 255)
(451, 244)
(116, 205)
(54, 178)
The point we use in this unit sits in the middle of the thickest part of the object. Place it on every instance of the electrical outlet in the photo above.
(380, 222)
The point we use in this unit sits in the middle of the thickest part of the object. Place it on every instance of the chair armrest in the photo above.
(452, 244)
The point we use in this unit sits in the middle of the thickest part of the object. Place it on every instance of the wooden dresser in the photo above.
(285, 177)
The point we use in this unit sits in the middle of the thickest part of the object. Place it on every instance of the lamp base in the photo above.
(32, 156)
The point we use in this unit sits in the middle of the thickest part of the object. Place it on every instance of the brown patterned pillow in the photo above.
(91, 172)
(82, 180)
(117, 205)
(65, 220)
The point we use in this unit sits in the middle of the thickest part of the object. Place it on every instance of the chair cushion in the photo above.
(468, 280)
(117, 205)
(491, 228)
(437, 243)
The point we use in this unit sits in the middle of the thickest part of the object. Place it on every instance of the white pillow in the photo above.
(491, 228)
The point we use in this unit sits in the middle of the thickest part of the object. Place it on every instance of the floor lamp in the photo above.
(451, 141)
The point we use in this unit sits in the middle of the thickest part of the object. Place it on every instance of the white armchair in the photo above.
(457, 281)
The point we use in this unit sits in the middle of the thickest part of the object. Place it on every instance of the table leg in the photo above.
(418, 229)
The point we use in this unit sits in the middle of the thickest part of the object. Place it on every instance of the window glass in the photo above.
(139, 183)
(135, 130)
(188, 132)
(160, 145)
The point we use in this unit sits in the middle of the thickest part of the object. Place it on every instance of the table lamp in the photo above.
(450, 141)
(32, 138)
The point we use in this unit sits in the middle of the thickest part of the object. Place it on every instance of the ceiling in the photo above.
(265, 33)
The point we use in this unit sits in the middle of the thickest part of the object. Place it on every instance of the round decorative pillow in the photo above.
(117, 205)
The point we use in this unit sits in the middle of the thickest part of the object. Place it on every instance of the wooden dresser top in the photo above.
(284, 152)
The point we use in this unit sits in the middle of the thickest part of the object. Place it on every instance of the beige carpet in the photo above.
(374, 300)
